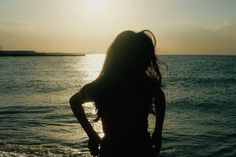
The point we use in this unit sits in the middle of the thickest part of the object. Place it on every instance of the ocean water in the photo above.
(36, 119)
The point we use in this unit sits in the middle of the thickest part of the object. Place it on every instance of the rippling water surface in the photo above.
(36, 120)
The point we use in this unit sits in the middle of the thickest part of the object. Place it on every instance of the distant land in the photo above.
(34, 53)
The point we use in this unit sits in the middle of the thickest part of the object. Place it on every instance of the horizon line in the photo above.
(85, 53)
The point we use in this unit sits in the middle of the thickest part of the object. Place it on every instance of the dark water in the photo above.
(36, 120)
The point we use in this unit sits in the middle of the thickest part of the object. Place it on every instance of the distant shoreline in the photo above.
(34, 53)
(25, 53)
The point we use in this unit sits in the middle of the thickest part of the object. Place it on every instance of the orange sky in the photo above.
(181, 27)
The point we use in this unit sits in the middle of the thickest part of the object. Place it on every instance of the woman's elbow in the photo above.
(75, 100)
(72, 101)
(160, 103)
(162, 99)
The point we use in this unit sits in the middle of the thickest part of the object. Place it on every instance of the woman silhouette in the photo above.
(128, 88)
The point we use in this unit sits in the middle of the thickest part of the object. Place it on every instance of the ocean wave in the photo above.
(32, 86)
(45, 150)
(25, 109)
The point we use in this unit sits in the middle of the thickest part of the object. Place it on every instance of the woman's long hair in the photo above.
(130, 49)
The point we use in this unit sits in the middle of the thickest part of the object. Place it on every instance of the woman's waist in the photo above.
(127, 135)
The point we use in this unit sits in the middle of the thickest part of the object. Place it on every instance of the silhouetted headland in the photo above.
(34, 53)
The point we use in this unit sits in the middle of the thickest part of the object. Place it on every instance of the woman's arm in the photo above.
(160, 106)
(76, 102)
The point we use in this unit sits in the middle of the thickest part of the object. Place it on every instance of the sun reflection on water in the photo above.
(89, 71)
(96, 66)
(90, 111)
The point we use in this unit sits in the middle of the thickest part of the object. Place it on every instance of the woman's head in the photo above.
(132, 55)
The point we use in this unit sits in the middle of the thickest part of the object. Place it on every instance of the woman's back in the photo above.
(124, 107)
(127, 89)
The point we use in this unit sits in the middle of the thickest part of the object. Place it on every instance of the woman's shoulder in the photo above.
(93, 88)
(150, 85)
(149, 81)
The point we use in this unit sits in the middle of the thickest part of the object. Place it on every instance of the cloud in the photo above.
(228, 28)
(190, 38)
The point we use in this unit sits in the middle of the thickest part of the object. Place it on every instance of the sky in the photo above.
(84, 26)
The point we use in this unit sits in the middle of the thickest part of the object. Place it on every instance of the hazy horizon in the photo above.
(101, 53)
(188, 27)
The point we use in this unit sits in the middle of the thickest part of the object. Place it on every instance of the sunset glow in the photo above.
(84, 26)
